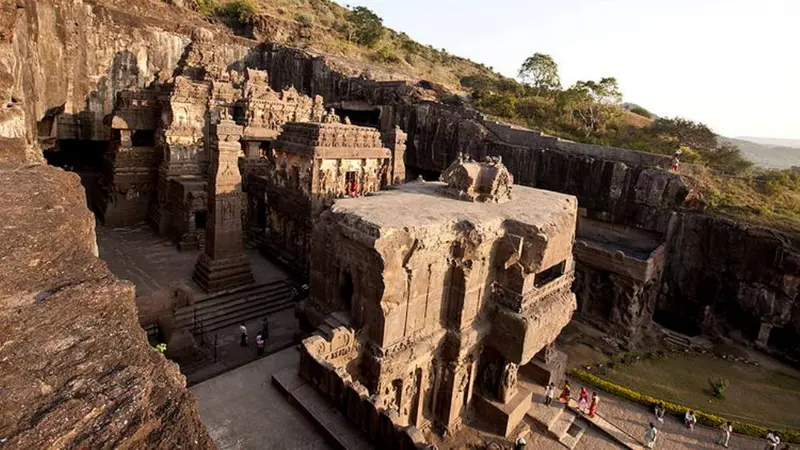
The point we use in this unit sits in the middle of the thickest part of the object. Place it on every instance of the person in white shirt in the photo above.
(260, 344)
(659, 411)
(243, 333)
(549, 394)
(725, 437)
(650, 436)
(689, 420)
(773, 440)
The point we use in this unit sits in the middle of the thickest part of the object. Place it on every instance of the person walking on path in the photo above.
(650, 436)
(566, 391)
(549, 393)
(583, 400)
(725, 437)
(772, 440)
(659, 411)
(260, 344)
(689, 419)
(243, 333)
(593, 405)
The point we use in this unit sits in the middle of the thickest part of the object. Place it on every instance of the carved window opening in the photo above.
(200, 220)
(143, 138)
(546, 276)
(347, 290)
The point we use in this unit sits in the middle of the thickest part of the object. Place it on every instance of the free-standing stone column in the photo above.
(223, 264)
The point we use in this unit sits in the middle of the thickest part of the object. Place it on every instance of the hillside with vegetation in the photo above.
(589, 111)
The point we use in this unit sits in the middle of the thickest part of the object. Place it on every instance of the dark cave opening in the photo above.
(84, 157)
(364, 118)
(676, 321)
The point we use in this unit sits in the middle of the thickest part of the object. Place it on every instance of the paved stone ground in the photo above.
(243, 410)
(634, 419)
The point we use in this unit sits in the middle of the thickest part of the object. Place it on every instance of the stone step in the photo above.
(243, 313)
(220, 301)
(567, 429)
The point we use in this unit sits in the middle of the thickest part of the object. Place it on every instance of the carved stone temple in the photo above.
(223, 264)
(313, 164)
(432, 300)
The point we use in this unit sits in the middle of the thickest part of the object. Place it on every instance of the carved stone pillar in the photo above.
(223, 264)
(395, 140)
(631, 309)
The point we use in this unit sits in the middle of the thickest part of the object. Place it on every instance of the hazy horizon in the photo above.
(732, 65)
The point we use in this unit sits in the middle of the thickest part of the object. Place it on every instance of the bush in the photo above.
(305, 19)
(718, 386)
(385, 55)
(241, 11)
(206, 7)
(747, 429)
(641, 111)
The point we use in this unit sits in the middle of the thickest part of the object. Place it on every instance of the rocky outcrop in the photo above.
(76, 370)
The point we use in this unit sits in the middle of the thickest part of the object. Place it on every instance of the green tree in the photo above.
(591, 105)
(540, 71)
(682, 131)
(367, 28)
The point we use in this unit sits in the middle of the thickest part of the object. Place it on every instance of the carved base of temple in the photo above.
(544, 373)
(222, 274)
(503, 418)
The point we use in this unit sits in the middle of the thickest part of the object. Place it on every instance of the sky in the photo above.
(731, 64)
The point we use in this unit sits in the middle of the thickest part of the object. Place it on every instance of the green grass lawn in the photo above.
(755, 394)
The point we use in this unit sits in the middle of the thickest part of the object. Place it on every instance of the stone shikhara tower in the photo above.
(223, 264)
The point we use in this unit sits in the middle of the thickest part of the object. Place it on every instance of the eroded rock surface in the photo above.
(76, 370)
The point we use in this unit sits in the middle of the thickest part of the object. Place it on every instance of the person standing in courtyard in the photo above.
(243, 334)
(265, 328)
(583, 400)
(650, 436)
(772, 440)
(566, 391)
(725, 437)
(593, 405)
(659, 411)
(689, 419)
(549, 393)
(520, 443)
(260, 344)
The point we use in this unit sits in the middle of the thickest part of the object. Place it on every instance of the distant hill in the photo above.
(772, 142)
(770, 153)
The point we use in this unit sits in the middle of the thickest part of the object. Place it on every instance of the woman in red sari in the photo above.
(593, 405)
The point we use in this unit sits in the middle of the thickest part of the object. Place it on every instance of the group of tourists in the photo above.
(589, 407)
(585, 405)
(261, 337)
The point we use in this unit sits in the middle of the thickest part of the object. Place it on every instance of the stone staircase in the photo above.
(254, 239)
(335, 320)
(234, 306)
(677, 339)
(561, 423)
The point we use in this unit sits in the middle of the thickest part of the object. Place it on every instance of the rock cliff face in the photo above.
(76, 370)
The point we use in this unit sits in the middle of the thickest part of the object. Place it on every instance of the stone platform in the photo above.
(327, 419)
(503, 418)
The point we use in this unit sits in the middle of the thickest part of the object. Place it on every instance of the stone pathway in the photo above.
(632, 420)
(609, 428)
(243, 410)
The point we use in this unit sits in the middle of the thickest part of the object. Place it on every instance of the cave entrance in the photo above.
(361, 117)
(412, 173)
(785, 339)
(676, 321)
(85, 158)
